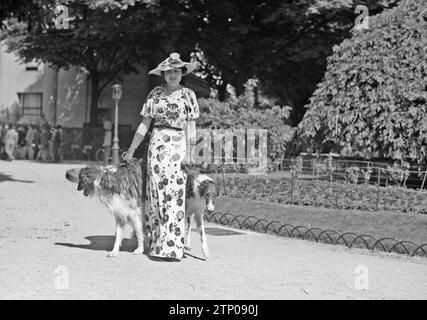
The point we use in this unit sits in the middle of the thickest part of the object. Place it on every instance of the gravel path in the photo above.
(53, 244)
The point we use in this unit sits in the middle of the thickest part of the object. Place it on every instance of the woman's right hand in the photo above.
(128, 155)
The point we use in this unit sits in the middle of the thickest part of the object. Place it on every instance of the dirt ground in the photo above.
(53, 245)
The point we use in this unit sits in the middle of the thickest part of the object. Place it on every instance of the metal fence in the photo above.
(348, 239)
(341, 184)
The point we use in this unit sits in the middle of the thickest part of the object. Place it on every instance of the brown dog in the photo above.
(118, 188)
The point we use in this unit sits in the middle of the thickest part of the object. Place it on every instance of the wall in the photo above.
(69, 91)
(15, 78)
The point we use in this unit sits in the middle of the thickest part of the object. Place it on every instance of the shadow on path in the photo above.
(103, 243)
(6, 177)
(106, 243)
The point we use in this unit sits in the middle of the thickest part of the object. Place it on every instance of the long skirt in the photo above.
(166, 193)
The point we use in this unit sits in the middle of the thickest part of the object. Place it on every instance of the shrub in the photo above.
(373, 98)
(399, 172)
(352, 174)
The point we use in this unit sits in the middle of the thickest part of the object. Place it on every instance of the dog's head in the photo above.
(87, 178)
(208, 191)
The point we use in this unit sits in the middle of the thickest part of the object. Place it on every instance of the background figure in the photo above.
(57, 142)
(36, 141)
(21, 135)
(3, 154)
(51, 151)
(11, 141)
(29, 140)
(20, 152)
(1, 139)
(44, 144)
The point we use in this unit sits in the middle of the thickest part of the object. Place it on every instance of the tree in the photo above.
(105, 38)
(373, 98)
(28, 11)
(284, 44)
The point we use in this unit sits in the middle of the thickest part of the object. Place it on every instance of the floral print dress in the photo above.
(166, 180)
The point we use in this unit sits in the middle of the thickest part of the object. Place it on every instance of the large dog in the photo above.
(119, 188)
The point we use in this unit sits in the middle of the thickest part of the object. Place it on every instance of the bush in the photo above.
(373, 98)
(325, 194)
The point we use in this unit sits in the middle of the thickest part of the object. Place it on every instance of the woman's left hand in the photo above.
(127, 155)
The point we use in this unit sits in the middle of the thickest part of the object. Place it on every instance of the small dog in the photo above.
(200, 195)
(119, 188)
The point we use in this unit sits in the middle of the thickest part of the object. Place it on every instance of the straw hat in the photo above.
(171, 62)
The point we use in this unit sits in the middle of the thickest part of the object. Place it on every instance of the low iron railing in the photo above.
(348, 239)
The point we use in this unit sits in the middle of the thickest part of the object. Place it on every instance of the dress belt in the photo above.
(166, 127)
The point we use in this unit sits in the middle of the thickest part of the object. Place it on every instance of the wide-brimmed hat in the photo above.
(171, 62)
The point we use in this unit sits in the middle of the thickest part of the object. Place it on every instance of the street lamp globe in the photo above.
(117, 92)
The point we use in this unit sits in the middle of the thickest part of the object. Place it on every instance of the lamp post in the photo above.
(117, 94)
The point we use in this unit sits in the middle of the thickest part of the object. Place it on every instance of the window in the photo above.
(31, 103)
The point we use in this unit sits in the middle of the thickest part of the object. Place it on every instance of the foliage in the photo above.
(104, 38)
(320, 167)
(352, 174)
(330, 166)
(366, 174)
(323, 193)
(399, 172)
(373, 98)
(296, 167)
(282, 43)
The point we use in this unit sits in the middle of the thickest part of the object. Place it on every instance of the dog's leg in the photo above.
(188, 234)
(120, 225)
(137, 226)
(201, 227)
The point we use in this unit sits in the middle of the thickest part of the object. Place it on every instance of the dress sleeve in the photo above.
(147, 107)
(193, 110)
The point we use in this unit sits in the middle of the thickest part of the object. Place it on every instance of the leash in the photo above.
(187, 171)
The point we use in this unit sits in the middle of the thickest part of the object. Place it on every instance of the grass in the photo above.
(379, 224)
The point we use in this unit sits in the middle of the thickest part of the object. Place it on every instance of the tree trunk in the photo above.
(256, 101)
(94, 95)
(239, 90)
(222, 90)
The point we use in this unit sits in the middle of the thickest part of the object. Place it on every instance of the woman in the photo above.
(174, 109)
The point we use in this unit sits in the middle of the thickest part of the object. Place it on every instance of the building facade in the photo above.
(38, 94)
(34, 92)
